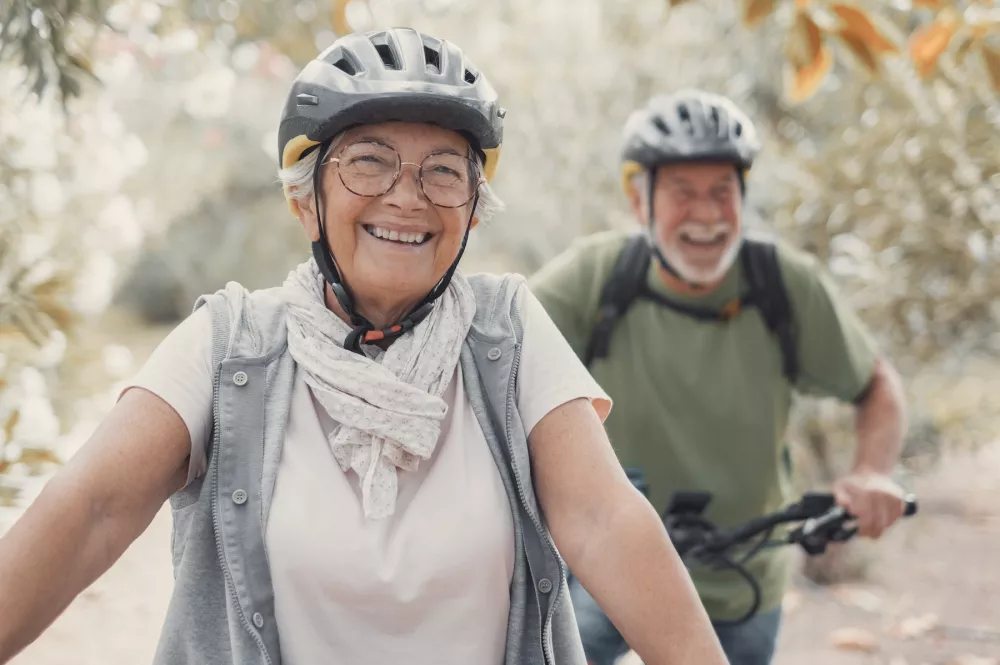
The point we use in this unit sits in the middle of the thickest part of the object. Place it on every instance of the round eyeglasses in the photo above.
(446, 179)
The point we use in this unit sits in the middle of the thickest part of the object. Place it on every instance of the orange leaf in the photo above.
(929, 42)
(755, 11)
(804, 42)
(860, 26)
(339, 18)
(861, 50)
(991, 58)
(802, 82)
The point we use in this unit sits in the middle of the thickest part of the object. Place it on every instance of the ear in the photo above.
(305, 210)
(474, 222)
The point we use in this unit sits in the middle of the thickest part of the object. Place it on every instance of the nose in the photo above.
(406, 193)
(705, 209)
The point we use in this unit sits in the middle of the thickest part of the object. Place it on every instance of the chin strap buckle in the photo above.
(366, 333)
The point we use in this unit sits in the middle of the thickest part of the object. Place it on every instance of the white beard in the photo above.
(698, 275)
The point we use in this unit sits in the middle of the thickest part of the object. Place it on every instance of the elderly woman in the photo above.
(382, 461)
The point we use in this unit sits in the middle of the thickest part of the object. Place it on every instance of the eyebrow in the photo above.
(721, 180)
(383, 142)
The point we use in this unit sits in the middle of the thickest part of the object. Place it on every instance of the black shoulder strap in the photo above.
(768, 294)
(622, 287)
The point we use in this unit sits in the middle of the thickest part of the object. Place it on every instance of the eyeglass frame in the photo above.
(399, 171)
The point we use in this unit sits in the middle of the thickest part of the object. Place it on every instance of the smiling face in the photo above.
(391, 249)
(697, 210)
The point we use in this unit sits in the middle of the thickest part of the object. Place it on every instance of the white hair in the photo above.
(297, 181)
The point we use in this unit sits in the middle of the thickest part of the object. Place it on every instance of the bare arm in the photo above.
(880, 422)
(614, 541)
(867, 491)
(88, 514)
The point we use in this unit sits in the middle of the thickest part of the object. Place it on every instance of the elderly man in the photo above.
(700, 334)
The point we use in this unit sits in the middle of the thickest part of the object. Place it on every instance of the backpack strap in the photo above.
(623, 286)
(767, 292)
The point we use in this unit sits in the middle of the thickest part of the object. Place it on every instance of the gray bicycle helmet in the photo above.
(687, 126)
(385, 76)
(398, 74)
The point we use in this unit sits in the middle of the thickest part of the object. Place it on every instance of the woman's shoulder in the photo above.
(251, 323)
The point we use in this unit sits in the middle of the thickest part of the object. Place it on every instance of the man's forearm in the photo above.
(880, 422)
(632, 570)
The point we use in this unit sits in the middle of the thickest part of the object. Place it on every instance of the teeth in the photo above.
(704, 238)
(386, 234)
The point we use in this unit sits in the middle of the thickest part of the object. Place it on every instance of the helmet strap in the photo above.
(650, 195)
(364, 331)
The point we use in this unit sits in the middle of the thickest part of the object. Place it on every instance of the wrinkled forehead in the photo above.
(409, 139)
(698, 174)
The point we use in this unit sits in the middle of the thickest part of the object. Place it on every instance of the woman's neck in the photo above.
(382, 312)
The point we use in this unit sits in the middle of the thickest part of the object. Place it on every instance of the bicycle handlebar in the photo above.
(819, 512)
(695, 537)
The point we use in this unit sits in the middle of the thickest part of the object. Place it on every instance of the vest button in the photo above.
(239, 497)
(544, 585)
(240, 378)
(258, 619)
(494, 354)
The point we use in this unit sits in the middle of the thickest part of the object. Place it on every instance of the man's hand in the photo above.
(873, 498)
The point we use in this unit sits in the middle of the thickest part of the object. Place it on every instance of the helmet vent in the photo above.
(433, 60)
(661, 125)
(685, 116)
(471, 76)
(738, 129)
(714, 114)
(388, 56)
(346, 66)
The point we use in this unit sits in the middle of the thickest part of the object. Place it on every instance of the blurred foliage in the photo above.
(879, 119)
(54, 39)
(64, 226)
(49, 40)
(874, 31)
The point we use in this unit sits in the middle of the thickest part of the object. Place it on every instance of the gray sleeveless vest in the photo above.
(222, 607)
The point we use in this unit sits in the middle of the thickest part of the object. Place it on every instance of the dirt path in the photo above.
(934, 594)
(946, 563)
(117, 620)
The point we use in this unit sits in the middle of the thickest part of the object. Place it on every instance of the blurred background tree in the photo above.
(138, 156)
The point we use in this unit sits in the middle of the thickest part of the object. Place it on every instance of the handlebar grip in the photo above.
(911, 505)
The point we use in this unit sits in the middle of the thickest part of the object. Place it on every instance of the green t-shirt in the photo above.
(701, 405)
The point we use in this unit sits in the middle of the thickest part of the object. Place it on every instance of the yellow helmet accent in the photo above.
(292, 154)
(295, 148)
(629, 171)
(492, 157)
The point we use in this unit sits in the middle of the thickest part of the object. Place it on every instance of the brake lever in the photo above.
(815, 533)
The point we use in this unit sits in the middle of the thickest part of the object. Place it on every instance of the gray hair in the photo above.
(297, 181)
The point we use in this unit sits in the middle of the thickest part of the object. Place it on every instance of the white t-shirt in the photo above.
(430, 584)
